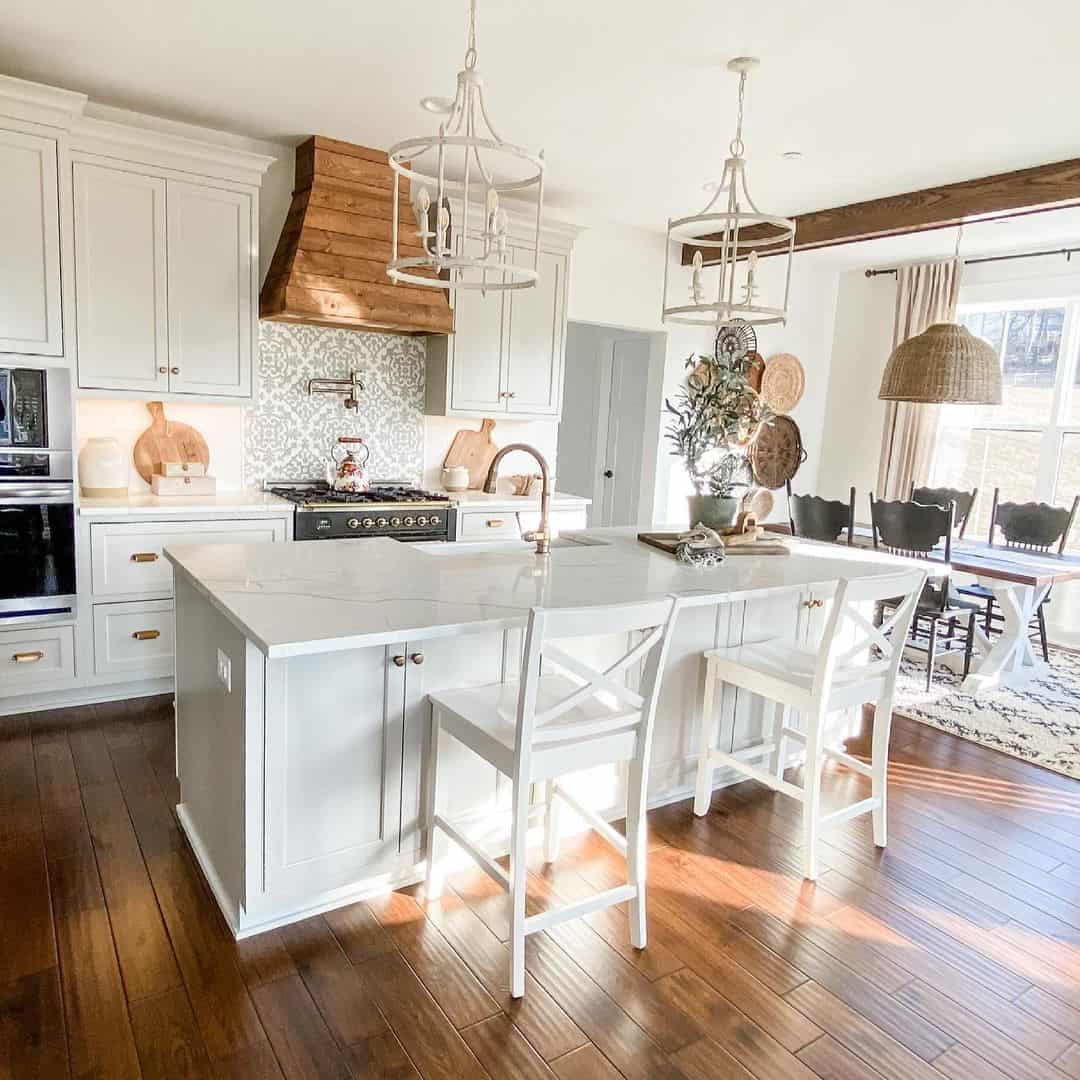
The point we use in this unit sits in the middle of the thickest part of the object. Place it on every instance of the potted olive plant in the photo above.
(715, 417)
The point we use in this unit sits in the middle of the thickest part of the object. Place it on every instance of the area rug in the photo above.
(1039, 722)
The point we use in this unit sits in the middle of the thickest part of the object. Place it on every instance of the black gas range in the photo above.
(389, 509)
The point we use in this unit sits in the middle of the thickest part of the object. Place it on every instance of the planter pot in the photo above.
(713, 511)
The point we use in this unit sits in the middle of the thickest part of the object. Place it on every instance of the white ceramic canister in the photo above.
(455, 478)
(103, 469)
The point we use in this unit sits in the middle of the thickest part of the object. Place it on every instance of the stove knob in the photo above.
(353, 523)
(434, 519)
(368, 523)
(421, 521)
(381, 522)
(410, 521)
(396, 522)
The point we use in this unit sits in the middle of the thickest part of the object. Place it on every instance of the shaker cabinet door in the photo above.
(333, 779)
(535, 352)
(477, 353)
(210, 290)
(30, 319)
(120, 279)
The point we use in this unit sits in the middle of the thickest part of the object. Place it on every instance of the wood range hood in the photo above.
(329, 268)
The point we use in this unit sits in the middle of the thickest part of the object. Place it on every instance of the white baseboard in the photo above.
(83, 695)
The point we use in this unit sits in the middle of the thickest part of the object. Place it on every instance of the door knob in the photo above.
(417, 658)
(399, 661)
(163, 371)
(175, 370)
(608, 474)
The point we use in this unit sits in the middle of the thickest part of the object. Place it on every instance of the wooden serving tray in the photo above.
(668, 542)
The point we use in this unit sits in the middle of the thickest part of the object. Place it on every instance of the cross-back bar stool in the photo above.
(854, 662)
(562, 716)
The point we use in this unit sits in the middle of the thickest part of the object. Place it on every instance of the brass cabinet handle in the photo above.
(163, 371)
(417, 658)
(27, 657)
(399, 661)
(813, 603)
(146, 635)
(175, 370)
(495, 523)
(145, 556)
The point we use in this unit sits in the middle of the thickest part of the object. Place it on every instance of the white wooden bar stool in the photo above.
(845, 670)
(548, 725)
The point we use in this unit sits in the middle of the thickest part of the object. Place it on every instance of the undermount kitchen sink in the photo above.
(463, 549)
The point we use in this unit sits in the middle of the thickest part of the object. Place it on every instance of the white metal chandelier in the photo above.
(463, 226)
(738, 231)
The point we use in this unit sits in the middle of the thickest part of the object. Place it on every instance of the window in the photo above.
(1029, 445)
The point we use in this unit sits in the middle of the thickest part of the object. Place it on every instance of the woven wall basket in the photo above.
(946, 362)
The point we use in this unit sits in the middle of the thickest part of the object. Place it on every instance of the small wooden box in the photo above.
(183, 468)
(183, 485)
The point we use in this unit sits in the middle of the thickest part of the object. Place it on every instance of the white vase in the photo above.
(103, 469)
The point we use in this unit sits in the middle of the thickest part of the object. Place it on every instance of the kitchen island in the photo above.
(302, 674)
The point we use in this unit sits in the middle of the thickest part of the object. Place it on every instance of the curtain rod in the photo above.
(1067, 252)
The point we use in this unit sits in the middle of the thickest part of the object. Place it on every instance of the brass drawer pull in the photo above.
(27, 657)
(813, 603)
(145, 556)
(495, 523)
(146, 635)
(399, 661)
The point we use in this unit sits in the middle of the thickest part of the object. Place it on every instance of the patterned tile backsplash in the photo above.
(288, 434)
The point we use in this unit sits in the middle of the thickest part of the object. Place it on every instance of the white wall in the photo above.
(862, 341)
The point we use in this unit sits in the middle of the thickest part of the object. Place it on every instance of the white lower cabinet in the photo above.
(135, 638)
(35, 655)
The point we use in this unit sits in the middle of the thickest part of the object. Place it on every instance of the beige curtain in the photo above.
(925, 294)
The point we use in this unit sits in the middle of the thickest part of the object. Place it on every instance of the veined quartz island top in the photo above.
(329, 595)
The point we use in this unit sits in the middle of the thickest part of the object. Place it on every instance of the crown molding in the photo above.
(39, 104)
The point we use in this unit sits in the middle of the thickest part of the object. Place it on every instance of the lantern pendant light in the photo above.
(732, 227)
(457, 180)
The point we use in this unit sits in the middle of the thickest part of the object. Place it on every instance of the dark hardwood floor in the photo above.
(954, 954)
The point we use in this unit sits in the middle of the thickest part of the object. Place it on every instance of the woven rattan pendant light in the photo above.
(945, 363)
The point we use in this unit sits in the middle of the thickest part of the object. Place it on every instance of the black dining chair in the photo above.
(1034, 527)
(815, 518)
(915, 530)
(942, 496)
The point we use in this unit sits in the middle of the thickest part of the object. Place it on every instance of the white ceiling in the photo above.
(629, 98)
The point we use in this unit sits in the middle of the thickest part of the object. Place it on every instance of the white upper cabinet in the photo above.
(165, 283)
(210, 290)
(120, 279)
(537, 317)
(505, 357)
(30, 319)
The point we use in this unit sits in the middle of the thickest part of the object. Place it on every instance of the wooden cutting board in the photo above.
(754, 545)
(474, 450)
(167, 440)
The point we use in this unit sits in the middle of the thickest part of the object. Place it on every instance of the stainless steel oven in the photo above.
(37, 548)
(37, 511)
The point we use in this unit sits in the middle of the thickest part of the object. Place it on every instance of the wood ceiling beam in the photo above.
(1026, 191)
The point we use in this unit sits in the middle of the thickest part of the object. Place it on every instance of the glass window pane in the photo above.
(1029, 355)
(1067, 484)
(984, 458)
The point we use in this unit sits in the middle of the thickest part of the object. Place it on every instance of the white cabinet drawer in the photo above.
(137, 638)
(126, 559)
(35, 655)
(489, 526)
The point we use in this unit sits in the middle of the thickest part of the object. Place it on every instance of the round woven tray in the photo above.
(783, 382)
(777, 453)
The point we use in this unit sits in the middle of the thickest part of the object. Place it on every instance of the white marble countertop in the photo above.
(480, 500)
(224, 502)
(328, 595)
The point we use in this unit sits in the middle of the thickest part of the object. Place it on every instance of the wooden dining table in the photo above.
(1020, 581)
